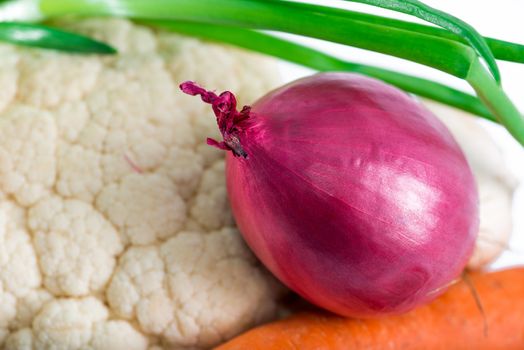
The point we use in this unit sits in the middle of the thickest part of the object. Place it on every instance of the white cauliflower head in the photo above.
(115, 231)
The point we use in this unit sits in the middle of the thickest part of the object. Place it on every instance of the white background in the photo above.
(497, 19)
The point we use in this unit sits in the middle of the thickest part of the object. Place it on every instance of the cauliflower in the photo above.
(115, 231)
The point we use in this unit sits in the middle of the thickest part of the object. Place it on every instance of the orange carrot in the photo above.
(452, 322)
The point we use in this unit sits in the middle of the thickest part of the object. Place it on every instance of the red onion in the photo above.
(349, 191)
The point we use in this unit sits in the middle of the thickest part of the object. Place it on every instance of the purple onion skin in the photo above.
(353, 195)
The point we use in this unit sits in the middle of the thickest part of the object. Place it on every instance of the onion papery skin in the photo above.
(353, 194)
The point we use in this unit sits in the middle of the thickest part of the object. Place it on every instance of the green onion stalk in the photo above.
(456, 48)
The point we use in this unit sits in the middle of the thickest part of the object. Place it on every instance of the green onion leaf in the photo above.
(25, 11)
(502, 50)
(297, 18)
(496, 100)
(50, 38)
(444, 20)
(311, 58)
(507, 51)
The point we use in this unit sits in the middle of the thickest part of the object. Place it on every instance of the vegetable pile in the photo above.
(115, 228)
(115, 231)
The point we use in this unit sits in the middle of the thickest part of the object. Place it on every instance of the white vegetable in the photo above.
(495, 182)
(115, 231)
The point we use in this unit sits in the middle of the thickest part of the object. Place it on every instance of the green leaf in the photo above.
(502, 50)
(507, 51)
(297, 18)
(308, 57)
(444, 20)
(36, 35)
(496, 100)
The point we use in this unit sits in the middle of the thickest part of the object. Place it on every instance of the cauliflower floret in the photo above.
(27, 153)
(180, 166)
(158, 213)
(7, 313)
(76, 246)
(18, 261)
(67, 324)
(117, 335)
(77, 324)
(210, 207)
(19, 273)
(28, 306)
(115, 231)
(20, 340)
(42, 73)
(195, 289)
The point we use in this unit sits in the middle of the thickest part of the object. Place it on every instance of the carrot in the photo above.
(451, 322)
